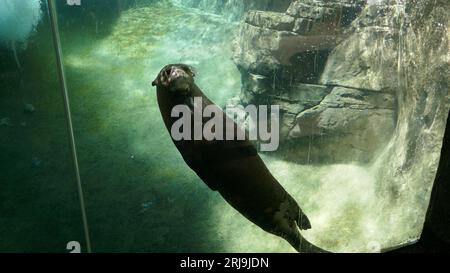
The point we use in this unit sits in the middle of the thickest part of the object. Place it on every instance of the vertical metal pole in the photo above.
(62, 78)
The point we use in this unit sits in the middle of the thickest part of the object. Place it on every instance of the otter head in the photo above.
(176, 78)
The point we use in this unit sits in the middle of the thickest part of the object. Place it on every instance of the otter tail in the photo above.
(302, 220)
(304, 246)
(298, 241)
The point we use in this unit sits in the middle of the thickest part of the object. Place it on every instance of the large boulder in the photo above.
(352, 124)
(269, 40)
(333, 102)
(368, 57)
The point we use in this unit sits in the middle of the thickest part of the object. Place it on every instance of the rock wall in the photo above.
(378, 94)
(233, 10)
(315, 60)
(406, 169)
(331, 65)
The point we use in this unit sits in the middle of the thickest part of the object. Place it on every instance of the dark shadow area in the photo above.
(39, 204)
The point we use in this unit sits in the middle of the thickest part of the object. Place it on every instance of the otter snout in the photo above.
(175, 77)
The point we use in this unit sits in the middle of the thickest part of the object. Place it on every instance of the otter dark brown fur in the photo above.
(233, 168)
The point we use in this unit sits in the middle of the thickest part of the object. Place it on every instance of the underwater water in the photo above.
(371, 156)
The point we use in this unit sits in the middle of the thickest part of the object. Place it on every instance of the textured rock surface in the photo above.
(407, 167)
(281, 56)
(272, 20)
(321, 43)
(356, 121)
(391, 200)
(286, 39)
(368, 58)
(233, 10)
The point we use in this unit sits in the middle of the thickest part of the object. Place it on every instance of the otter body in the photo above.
(231, 167)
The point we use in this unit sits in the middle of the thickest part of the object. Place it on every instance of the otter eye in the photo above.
(167, 72)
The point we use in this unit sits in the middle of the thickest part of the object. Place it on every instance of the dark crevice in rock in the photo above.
(385, 91)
